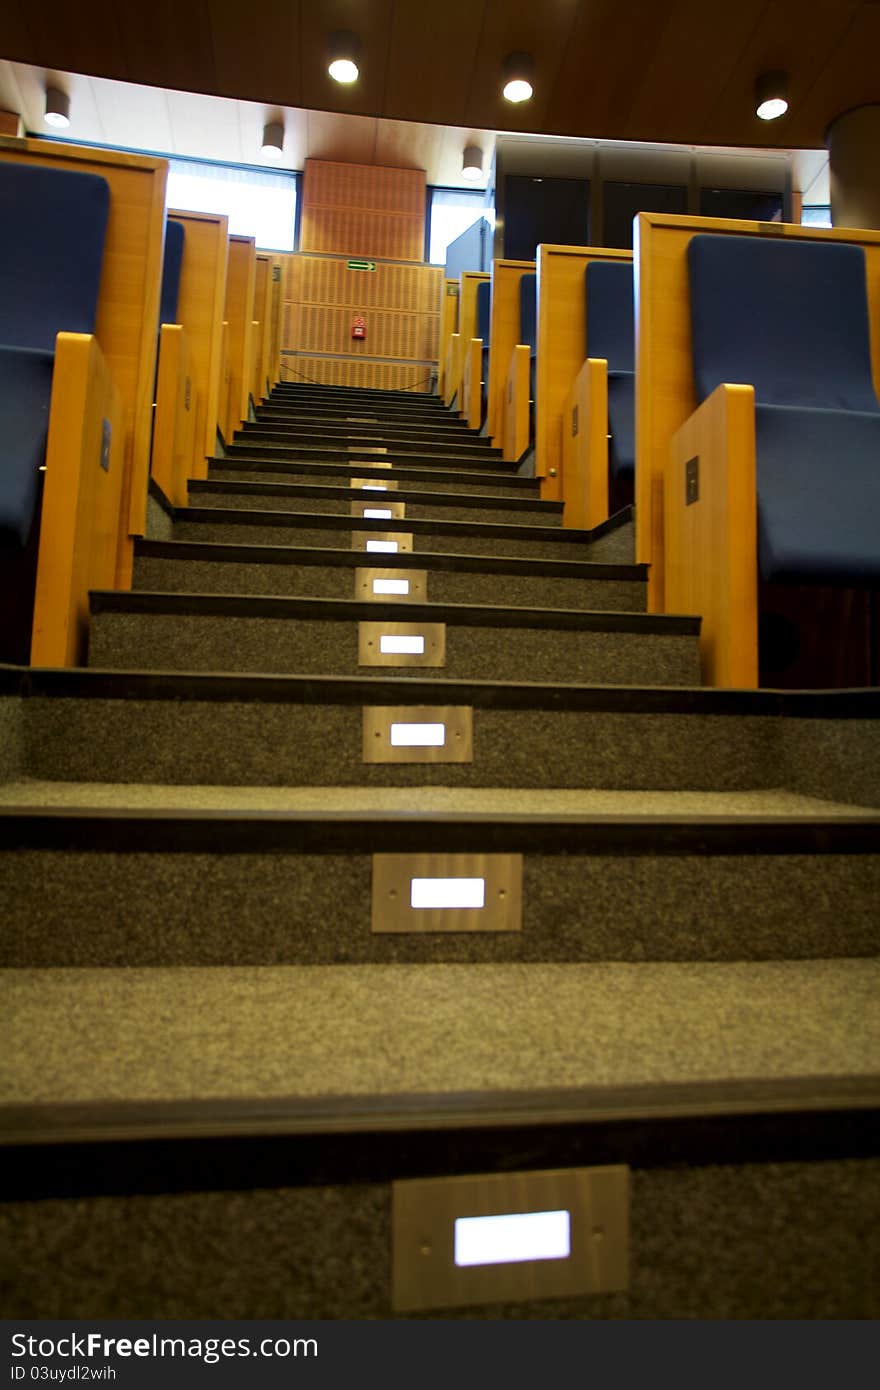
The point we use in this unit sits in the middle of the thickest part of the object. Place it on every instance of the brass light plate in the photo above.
(424, 1274)
(362, 505)
(373, 463)
(391, 900)
(458, 722)
(417, 579)
(366, 449)
(369, 653)
(361, 420)
(404, 541)
(390, 486)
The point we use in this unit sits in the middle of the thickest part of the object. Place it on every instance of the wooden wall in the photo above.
(363, 210)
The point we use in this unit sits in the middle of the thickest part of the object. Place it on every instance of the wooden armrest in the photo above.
(585, 447)
(516, 403)
(472, 385)
(84, 525)
(710, 533)
(175, 416)
(452, 369)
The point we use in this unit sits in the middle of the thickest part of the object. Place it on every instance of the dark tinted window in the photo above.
(623, 200)
(544, 210)
(746, 203)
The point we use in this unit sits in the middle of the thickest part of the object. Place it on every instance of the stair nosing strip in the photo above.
(359, 610)
(81, 682)
(105, 1121)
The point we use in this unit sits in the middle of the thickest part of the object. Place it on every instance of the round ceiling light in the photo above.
(518, 71)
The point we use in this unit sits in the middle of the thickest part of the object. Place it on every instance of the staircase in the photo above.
(232, 1050)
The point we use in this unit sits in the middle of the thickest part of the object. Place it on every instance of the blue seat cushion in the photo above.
(25, 396)
(621, 424)
(789, 317)
(52, 229)
(610, 314)
(484, 303)
(528, 311)
(171, 268)
(818, 485)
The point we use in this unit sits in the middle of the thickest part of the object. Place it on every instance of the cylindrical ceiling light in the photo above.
(273, 140)
(771, 95)
(344, 52)
(57, 108)
(518, 71)
(472, 164)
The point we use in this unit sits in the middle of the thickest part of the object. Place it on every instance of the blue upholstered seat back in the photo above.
(528, 311)
(52, 229)
(171, 267)
(789, 317)
(484, 300)
(609, 291)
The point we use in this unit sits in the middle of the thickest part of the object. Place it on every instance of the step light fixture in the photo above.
(472, 164)
(518, 71)
(57, 108)
(273, 141)
(345, 50)
(771, 95)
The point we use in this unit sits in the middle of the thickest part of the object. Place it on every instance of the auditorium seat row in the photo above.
(93, 400)
(775, 482)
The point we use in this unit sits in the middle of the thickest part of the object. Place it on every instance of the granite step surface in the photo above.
(251, 446)
(206, 632)
(252, 495)
(413, 479)
(611, 543)
(294, 442)
(187, 728)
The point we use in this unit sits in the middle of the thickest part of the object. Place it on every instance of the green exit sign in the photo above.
(361, 265)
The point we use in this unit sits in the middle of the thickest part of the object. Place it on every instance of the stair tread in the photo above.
(427, 800)
(432, 1034)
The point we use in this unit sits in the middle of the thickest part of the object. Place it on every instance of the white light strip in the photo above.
(447, 892)
(418, 735)
(400, 646)
(377, 513)
(496, 1240)
(390, 586)
(373, 487)
(386, 547)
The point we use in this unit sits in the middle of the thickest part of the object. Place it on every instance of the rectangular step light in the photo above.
(446, 893)
(370, 485)
(374, 511)
(509, 1237)
(361, 449)
(401, 644)
(361, 420)
(385, 585)
(418, 734)
(382, 542)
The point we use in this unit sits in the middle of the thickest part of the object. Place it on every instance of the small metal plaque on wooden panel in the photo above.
(391, 586)
(447, 893)
(419, 734)
(692, 481)
(401, 644)
(372, 485)
(509, 1237)
(378, 509)
(382, 542)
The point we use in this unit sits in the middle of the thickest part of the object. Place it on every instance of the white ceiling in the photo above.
(109, 112)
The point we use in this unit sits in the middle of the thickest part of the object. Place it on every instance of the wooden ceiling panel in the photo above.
(542, 30)
(371, 21)
(797, 36)
(853, 68)
(257, 50)
(683, 73)
(72, 38)
(167, 44)
(432, 52)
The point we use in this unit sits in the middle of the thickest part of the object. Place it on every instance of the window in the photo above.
(817, 215)
(259, 203)
(453, 210)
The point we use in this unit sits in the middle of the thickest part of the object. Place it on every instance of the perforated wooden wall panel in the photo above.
(363, 210)
(327, 280)
(335, 371)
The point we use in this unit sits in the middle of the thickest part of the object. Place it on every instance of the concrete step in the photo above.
(179, 1138)
(251, 495)
(316, 572)
(413, 478)
(612, 543)
(208, 632)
